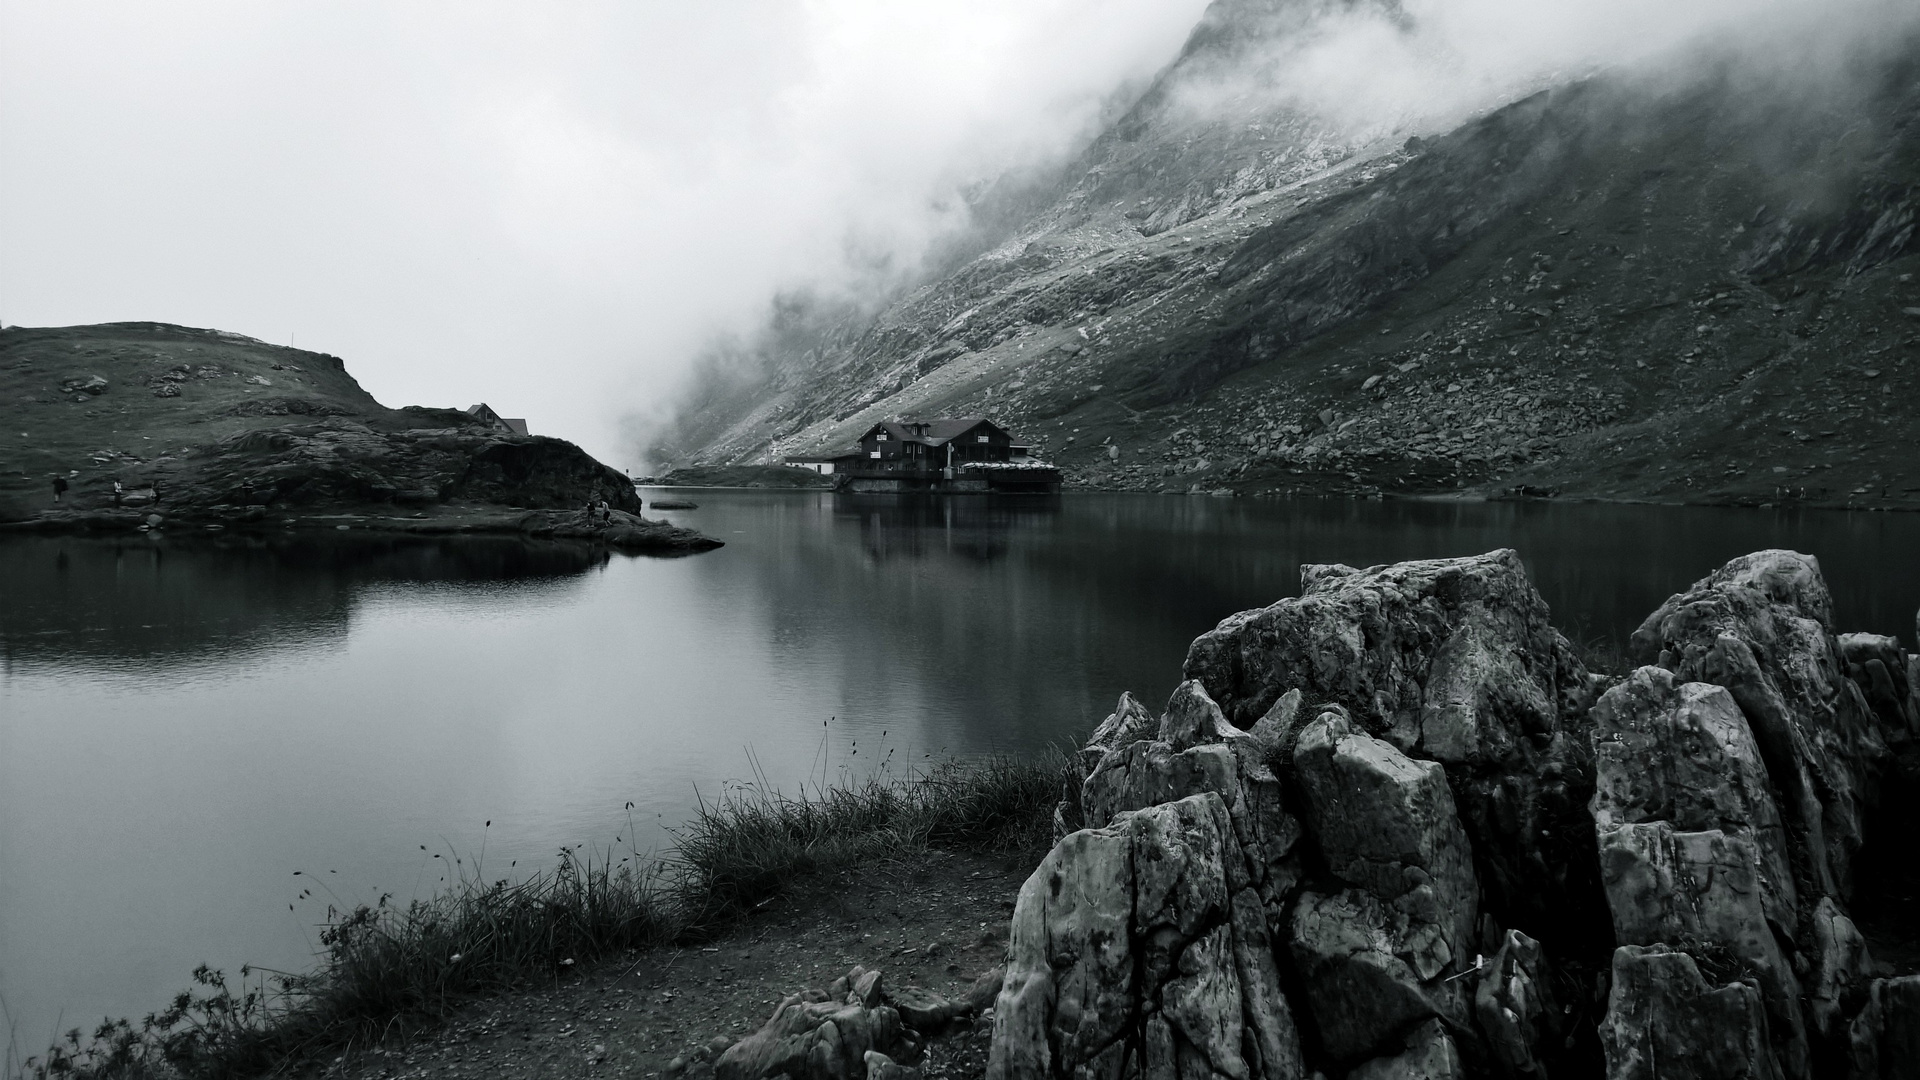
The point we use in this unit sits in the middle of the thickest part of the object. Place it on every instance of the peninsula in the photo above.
(130, 426)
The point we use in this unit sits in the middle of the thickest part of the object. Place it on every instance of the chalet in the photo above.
(485, 412)
(966, 454)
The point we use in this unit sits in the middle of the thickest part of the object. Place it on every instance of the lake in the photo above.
(186, 723)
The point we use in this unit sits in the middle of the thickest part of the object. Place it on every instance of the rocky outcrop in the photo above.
(858, 1026)
(1376, 955)
(1762, 626)
(1361, 837)
(1453, 661)
(1692, 850)
(1665, 1020)
(1141, 946)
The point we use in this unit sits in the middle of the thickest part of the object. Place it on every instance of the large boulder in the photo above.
(1377, 956)
(1665, 1022)
(1369, 640)
(1140, 949)
(1682, 753)
(1702, 890)
(1453, 661)
(1762, 626)
(1358, 792)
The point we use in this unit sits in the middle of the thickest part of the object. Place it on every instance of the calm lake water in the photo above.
(184, 725)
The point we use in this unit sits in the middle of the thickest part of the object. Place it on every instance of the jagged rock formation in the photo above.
(1394, 828)
(1623, 286)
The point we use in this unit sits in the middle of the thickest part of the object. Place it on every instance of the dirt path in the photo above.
(937, 921)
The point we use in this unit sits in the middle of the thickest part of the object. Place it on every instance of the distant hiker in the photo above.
(59, 487)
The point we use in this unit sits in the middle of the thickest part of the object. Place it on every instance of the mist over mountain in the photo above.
(1630, 250)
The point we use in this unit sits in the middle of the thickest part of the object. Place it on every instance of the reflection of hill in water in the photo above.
(154, 600)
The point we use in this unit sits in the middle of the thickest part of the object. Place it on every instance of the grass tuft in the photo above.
(384, 968)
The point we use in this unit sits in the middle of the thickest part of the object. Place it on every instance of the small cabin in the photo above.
(971, 453)
(509, 425)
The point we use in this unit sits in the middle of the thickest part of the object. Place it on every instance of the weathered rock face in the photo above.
(1885, 1037)
(1664, 1020)
(1692, 850)
(1140, 948)
(1301, 864)
(1761, 626)
(1374, 955)
(1453, 661)
(1878, 666)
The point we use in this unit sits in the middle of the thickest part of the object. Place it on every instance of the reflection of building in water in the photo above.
(913, 525)
(968, 454)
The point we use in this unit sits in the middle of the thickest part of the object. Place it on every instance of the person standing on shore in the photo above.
(118, 492)
(59, 487)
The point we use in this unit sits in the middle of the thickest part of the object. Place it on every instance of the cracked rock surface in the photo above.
(1393, 827)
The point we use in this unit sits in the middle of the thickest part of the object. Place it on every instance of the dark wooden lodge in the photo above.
(968, 454)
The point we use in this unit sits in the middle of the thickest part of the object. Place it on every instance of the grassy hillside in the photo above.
(204, 429)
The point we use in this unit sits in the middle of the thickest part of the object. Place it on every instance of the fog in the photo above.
(547, 207)
(553, 208)
(1404, 66)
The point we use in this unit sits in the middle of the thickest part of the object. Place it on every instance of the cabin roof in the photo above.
(931, 432)
(486, 412)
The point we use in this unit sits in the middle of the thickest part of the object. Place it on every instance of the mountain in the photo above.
(1690, 282)
(202, 429)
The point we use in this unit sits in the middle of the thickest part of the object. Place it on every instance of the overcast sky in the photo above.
(552, 206)
(545, 206)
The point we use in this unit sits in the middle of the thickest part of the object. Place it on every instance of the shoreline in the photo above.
(628, 533)
(389, 976)
(1367, 496)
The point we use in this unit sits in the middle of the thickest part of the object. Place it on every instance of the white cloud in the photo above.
(548, 207)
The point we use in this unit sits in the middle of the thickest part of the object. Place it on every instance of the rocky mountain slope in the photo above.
(209, 430)
(1689, 285)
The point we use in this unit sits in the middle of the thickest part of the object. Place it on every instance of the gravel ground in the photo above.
(936, 920)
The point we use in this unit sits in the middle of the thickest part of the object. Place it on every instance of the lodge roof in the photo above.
(486, 412)
(930, 432)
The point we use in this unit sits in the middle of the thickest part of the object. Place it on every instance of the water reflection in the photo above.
(912, 525)
(154, 601)
(347, 700)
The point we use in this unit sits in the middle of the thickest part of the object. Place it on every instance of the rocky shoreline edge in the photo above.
(619, 530)
(1393, 828)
